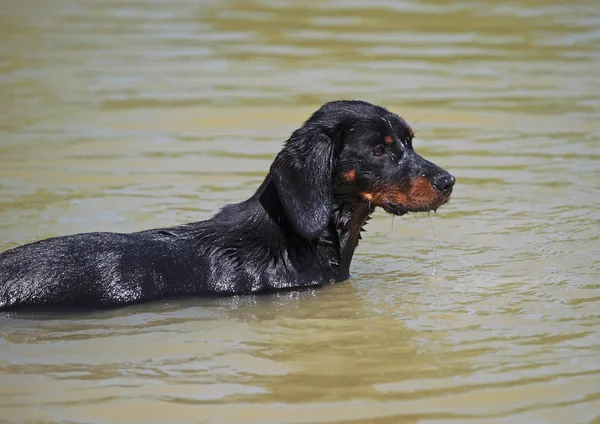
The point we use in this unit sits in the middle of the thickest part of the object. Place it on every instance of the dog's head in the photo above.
(355, 152)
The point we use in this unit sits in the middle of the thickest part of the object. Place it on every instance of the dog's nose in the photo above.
(443, 182)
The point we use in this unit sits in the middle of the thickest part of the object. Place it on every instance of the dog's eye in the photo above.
(378, 151)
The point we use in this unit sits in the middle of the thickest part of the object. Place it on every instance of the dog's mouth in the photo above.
(403, 209)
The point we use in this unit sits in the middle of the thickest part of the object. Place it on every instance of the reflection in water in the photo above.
(128, 115)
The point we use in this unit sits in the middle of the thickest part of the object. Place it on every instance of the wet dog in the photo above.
(299, 229)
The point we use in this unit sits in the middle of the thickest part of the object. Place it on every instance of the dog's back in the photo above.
(94, 269)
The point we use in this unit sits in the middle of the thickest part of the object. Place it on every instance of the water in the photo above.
(122, 116)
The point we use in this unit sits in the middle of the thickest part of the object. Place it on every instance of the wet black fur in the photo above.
(299, 229)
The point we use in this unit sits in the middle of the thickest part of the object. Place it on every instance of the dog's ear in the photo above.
(302, 173)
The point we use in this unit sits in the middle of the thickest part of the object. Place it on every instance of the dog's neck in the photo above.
(349, 219)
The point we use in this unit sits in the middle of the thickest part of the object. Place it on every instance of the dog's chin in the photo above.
(399, 210)
(394, 209)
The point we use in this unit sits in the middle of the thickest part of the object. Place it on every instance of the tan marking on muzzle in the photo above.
(417, 195)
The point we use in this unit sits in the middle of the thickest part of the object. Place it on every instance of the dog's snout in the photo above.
(443, 182)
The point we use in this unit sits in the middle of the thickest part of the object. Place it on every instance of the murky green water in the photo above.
(125, 115)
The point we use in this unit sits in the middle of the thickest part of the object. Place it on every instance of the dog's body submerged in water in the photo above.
(299, 229)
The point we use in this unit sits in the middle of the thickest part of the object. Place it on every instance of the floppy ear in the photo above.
(302, 173)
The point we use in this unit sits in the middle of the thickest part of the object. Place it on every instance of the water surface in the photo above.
(121, 116)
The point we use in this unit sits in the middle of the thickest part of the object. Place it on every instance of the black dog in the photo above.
(299, 229)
